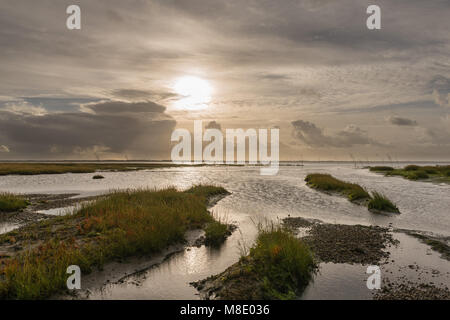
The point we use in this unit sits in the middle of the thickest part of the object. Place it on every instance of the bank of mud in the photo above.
(42, 202)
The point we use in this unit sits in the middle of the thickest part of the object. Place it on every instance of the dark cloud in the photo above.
(273, 76)
(399, 121)
(138, 129)
(114, 107)
(314, 136)
(139, 95)
(406, 106)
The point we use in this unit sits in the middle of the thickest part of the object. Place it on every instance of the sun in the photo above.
(195, 92)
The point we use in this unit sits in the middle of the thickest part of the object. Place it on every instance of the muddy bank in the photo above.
(51, 201)
(344, 243)
(349, 244)
(39, 202)
(411, 291)
(235, 283)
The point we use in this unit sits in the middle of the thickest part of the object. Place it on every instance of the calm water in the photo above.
(424, 206)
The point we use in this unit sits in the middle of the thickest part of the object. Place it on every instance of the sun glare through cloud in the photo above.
(195, 93)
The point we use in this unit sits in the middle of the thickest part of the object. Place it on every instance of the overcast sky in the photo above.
(310, 67)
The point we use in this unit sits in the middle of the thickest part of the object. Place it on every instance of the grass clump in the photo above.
(216, 233)
(381, 168)
(415, 172)
(284, 263)
(207, 190)
(380, 202)
(277, 266)
(98, 176)
(10, 202)
(326, 182)
(122, 224)
(417, 175)
(354, 192)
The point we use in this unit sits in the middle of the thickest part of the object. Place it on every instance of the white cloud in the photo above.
(24, 108)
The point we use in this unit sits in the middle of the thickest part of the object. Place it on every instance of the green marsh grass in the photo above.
(215, 233)
(120, 225)
(10, 202)
(326, 182)
(381, 168)
(284, 263)
(415, 172)
(382, 203)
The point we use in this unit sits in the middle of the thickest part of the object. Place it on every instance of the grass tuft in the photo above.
(417, 175)
(381, 168)
(216, 233)
(326, 182)
(207, 190)
(10, 202)
(382, 203)
(284, 263)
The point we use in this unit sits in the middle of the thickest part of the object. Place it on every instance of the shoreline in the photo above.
(41, 202)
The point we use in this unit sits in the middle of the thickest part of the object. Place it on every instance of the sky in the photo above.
(137, 70)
